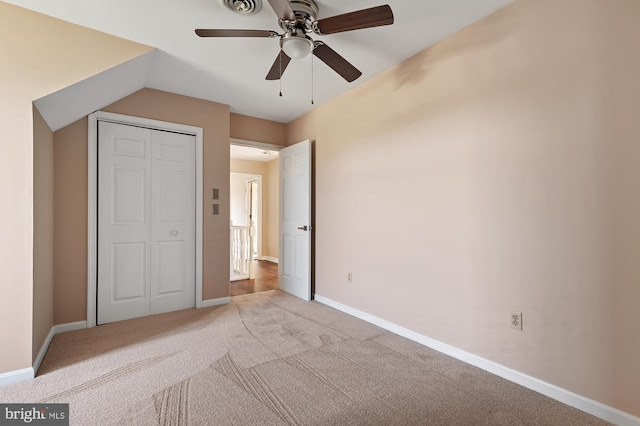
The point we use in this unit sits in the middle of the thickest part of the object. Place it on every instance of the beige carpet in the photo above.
(271, 359)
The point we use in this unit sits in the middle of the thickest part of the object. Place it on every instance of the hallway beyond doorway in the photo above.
(266, 278)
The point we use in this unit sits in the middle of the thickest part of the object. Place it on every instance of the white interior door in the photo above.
(146, 222)
(124, 225)
(173, 200)
(294, 266)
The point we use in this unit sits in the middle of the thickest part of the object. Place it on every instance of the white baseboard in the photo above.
(70, 326)
(582, 403)
(270, 259)
(232, 279)
(56, 329)
(43, 350)
(16, 376)
(216, 302)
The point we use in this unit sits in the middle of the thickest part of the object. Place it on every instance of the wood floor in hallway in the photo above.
(266, 279)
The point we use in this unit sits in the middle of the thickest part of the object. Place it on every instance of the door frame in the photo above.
(249, 185)
(261, 145)
(92, 195)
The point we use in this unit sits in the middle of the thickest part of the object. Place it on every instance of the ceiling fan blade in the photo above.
(278, 67)
(283, 9)
(236, 33)
(336, 62)
(365, 18)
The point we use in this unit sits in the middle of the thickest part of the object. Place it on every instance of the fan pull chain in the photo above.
(280, 79)
(311, 78)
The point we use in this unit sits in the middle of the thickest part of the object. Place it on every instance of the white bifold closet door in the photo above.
(146, 222)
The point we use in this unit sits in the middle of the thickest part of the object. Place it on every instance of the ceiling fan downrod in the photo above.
(280, 79)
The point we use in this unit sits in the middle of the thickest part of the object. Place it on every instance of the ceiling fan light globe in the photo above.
(297, 47)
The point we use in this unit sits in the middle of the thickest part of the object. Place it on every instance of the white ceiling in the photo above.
(239, 152)
(232, 70)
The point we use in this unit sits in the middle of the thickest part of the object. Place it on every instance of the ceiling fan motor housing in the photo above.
(305, 9)
(306, 12)
(243, 7)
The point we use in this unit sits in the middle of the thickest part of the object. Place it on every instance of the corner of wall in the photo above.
(43, 231)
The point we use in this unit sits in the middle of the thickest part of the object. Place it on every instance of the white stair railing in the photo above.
(241, 245)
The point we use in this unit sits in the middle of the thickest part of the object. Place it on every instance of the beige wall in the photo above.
(71, 196)
(496, 171)
(269, 200)
(43, 251)
(257, 129)
(43, 55)
(70, 242)
(621, 107)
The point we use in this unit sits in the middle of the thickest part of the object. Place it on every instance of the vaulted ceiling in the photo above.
(232, 70)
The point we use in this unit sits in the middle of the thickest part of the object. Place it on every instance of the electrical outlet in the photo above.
(515, 320)
(349, 277)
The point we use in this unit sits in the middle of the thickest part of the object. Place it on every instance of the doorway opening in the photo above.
(254, 213)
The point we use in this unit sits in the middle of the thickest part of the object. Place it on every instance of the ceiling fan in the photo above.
(298, 18)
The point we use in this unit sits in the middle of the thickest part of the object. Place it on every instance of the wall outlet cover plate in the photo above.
(515, 320)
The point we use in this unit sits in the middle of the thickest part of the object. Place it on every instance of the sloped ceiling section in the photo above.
(66, 70)
(65, 106)
(232, 70)
(43, 55)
